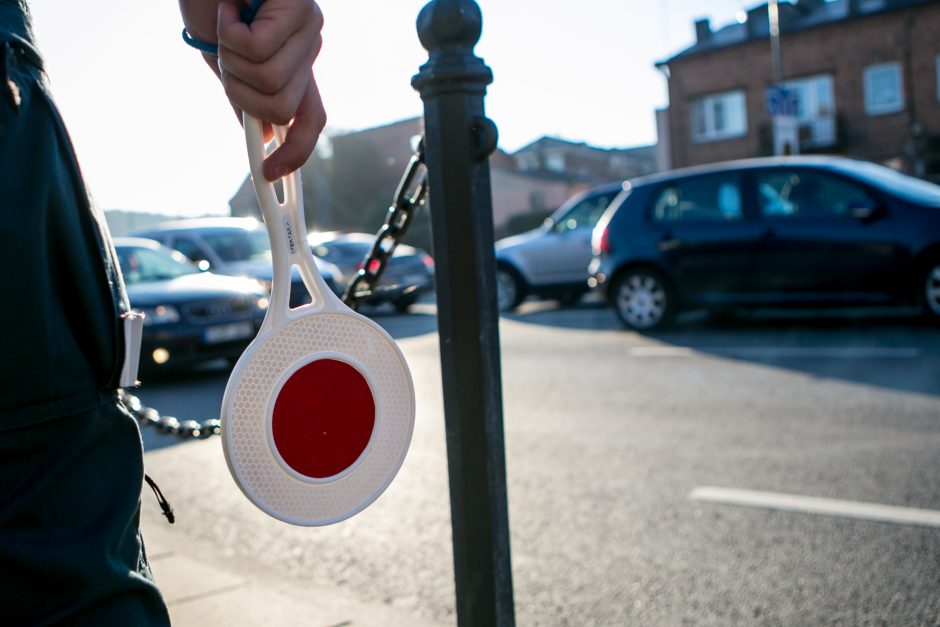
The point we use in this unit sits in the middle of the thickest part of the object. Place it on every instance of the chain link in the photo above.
(148, 416)
(410, 195)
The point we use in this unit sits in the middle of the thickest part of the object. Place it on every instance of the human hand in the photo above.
(265, 69)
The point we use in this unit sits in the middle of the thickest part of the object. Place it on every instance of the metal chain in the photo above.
(148, 416)
(410, 195)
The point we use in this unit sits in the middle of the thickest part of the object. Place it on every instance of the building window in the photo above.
(719, 116)
(555, 161)
(883, 93)
(527, 161)
(816, 109)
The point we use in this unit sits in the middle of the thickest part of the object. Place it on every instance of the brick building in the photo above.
(578, 159)
(363, 168)
(867, 74)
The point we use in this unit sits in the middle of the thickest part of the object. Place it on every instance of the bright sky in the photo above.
(154, 132)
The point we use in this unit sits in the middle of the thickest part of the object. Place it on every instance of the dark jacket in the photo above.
(59, 332)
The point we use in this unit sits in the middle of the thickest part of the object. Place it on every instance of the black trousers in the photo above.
(70, 549)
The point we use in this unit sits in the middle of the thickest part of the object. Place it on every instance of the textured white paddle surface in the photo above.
(245, 419)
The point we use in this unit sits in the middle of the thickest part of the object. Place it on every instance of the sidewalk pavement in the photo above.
(207, 590)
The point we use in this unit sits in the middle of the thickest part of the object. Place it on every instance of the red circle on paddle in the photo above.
(323, 418)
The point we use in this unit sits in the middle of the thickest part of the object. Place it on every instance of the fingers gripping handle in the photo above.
(286, 229)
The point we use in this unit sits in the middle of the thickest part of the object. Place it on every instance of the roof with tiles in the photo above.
(794, 16)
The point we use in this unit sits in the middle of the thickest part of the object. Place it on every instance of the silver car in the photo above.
(552, 261)
(236, 247)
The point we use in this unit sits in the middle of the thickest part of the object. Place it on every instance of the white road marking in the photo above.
(815, 505)
(814, 352)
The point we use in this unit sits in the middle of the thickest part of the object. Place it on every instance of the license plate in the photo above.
(414, 279)
(229, 332)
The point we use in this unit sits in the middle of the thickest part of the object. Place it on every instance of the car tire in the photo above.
(643, 299)
(510, 288)
(402, 304)
(930, 290)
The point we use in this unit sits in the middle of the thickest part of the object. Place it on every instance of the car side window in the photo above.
(189, 248)
(795, 193)
(586, 213)
(229, 245)
(709, 198)
(130, 266)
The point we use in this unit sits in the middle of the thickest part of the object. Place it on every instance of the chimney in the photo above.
(864, 7)
(758, 22)
(807, 7)
(703, 30)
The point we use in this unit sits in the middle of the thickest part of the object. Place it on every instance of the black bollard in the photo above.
(459, 138)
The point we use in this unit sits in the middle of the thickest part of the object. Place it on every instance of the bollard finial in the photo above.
(446, 25)
(449, 29)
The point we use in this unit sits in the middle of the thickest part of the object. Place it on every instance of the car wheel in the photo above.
(510, 290)
(643, 300)
(402, 304)
(931, 290)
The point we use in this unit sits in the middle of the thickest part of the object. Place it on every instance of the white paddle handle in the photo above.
(287, 231)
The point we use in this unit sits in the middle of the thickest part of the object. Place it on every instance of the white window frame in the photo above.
(730, 99)
(812, 110)
(883, 108)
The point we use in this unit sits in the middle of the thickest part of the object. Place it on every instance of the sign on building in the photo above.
(783, 106)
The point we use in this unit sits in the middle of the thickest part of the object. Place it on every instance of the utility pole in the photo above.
(786, 127)
(776, 60)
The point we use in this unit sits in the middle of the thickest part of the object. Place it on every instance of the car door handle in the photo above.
(668, 242)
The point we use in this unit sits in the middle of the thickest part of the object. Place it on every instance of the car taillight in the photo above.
(373, 266)
(601, 242)
(427, 261)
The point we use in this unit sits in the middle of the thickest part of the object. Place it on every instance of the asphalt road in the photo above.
(608, 434)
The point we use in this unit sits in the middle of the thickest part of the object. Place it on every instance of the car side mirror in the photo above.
(864, 209)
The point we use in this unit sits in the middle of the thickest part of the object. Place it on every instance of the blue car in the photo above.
(788, 231)
(191, 316)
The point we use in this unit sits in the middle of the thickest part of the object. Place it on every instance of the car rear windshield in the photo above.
(907, 187)
(344, 252)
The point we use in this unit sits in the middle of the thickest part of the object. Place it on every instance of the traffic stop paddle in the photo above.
(318, 412)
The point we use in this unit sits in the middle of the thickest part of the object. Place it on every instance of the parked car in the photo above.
(803, 231)
(552, 260)
(407, 275)
(234, 246)
(191, 315)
